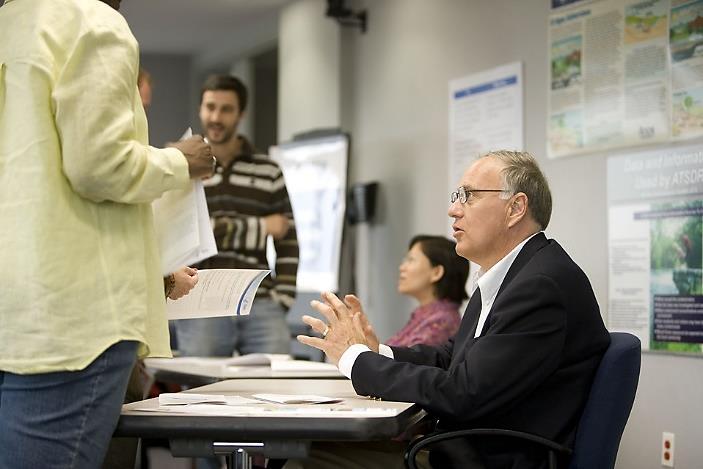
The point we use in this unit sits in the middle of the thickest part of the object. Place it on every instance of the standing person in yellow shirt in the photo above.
(122, 451)
(84, 294)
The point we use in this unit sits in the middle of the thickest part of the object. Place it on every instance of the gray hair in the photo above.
(521, 173)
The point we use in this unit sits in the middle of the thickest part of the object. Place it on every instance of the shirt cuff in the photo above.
(386, 351)
(346, 362)
(179, 168)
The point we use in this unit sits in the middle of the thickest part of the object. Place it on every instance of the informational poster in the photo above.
(624, 73)
(485, 113)
(655, 237)
(315, 171)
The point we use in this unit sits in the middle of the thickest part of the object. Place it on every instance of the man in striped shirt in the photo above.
(248, 202)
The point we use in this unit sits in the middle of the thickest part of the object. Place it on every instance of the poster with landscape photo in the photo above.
(655, 244)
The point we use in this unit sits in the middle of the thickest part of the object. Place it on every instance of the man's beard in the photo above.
(227, 134)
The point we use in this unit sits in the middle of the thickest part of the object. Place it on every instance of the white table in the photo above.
(283, 431)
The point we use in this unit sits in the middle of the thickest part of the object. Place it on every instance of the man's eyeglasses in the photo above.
(462, 194)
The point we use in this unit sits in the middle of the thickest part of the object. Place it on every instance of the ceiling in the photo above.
(205, 28)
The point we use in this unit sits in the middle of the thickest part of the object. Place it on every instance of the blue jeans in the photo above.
(63, 419)
(265, 330)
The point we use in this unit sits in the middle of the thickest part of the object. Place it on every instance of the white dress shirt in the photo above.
(489, 283)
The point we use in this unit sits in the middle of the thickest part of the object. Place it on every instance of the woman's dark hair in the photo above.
(441, 251)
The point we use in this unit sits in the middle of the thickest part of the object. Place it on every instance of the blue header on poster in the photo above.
(490, 86)
(562, 3)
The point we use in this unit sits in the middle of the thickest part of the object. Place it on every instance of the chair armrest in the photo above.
(419, 443)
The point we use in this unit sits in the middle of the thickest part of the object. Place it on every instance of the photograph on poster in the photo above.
(686, 31)
(676, 275)
(645, 21)
(687, 112)
(566, 131)
(566, 62)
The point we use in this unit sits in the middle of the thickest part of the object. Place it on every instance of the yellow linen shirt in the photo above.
(77, 244)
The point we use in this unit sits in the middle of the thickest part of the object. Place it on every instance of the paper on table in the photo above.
(263, 410)
(296, 398)
(184, 398)
(254, 359)
(301, 365)
(183, 228)
(219, 292)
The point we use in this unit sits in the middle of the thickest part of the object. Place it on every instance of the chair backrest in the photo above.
(609, 404)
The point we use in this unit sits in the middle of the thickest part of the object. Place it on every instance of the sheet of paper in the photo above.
(207, 246)
(183, 227)
(187, 398)
(176, 224)
(296, 398)
(255, 359)
(219, 292)
(270, 410)
(301, 365)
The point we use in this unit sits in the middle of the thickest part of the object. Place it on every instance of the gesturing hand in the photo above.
(343, 329)
(369, 334)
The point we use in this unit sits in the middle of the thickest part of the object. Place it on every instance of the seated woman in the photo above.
(435, 276)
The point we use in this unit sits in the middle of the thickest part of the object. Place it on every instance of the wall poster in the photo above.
(485, 113)
(655, 239)
(624, 73)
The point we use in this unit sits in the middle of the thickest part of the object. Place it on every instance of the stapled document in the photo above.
(219, 292)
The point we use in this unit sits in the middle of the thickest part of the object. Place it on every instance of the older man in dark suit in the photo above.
(529, 343)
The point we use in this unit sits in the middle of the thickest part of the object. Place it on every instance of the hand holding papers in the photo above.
(219, 292)
(183, 228)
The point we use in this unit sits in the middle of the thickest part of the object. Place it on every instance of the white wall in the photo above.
(244, 70)
(394, 102)
(309, 69)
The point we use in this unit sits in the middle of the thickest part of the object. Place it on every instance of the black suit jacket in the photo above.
(530, 370)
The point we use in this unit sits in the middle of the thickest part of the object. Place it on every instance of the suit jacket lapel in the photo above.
(465, 336)
(526, 253)
(528, 250)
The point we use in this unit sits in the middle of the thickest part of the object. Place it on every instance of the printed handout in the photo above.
(219, 292)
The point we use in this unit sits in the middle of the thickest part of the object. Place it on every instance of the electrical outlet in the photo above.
(667, 449)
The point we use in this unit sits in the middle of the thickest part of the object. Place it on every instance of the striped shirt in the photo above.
(239, 196)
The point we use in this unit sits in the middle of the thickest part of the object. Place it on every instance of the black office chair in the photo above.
(602, 422)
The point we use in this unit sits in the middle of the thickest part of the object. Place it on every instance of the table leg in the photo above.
(236, 454)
